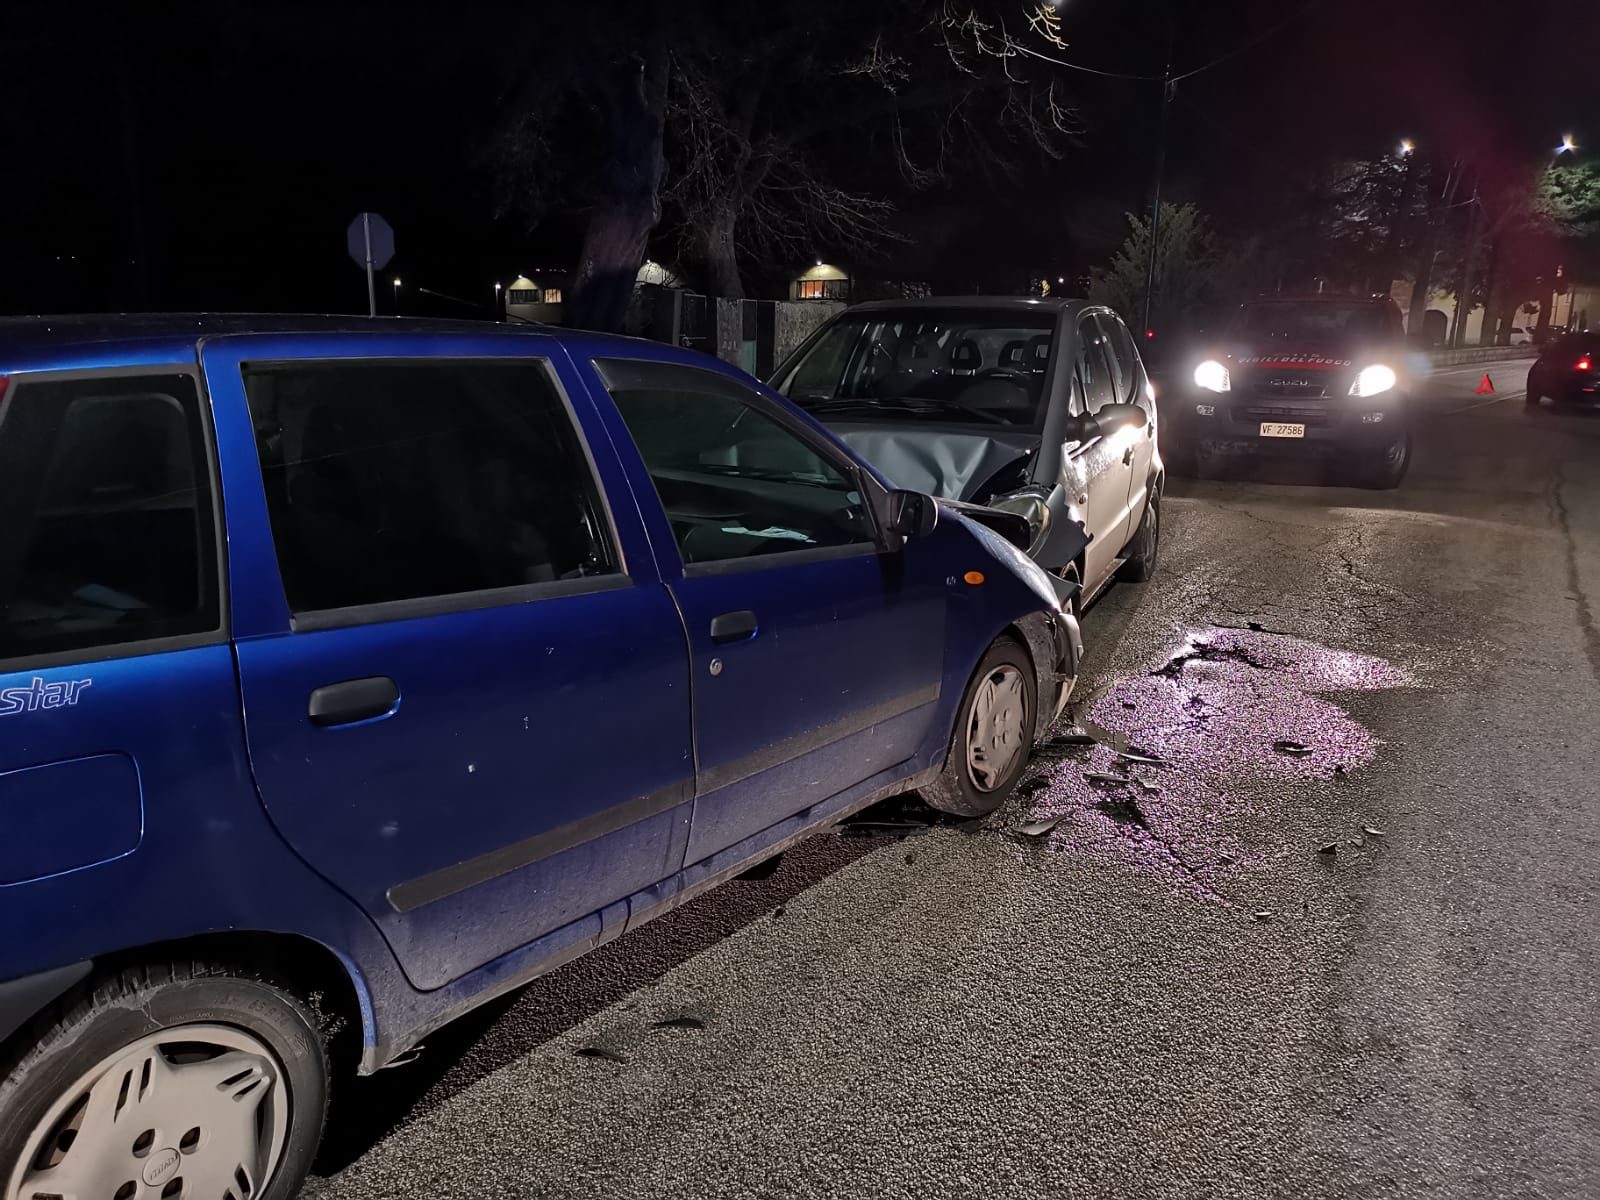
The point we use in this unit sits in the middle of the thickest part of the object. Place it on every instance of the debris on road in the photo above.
(1105, 777)
(1266, 914)
(681, 1021)
(1371, 832)
(1029, 786)
(1329, 848)
(1071, 739)
(1124, 810)
(1035, 829)
(1291, 747)
(1140, 756)
(596, 1050)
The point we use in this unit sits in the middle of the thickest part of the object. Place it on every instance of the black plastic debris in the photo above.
(1039, 828)
(1124, 810)
(681, 1021)
(1071, 740)
(911, 857)
(1290, 747)
(605, 1052)
(1328, 848)
(1029, 786)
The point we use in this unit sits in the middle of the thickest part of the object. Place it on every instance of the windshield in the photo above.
(978, 368)
(1316, 320)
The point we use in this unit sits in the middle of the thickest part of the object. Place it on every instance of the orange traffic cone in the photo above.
(1486, 388)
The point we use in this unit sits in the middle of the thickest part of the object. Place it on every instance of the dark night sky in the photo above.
(256, 130)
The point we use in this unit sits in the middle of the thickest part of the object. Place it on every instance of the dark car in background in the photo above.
(1323, 376)
(1567, 371)
(1039, 408)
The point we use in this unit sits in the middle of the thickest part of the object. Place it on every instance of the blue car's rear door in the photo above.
(816, 659)
(465, 688)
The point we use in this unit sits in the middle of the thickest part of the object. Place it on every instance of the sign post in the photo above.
(370, 241)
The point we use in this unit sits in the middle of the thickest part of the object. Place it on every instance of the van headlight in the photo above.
(1374, 380)
(1032, 505)
(1212, 376)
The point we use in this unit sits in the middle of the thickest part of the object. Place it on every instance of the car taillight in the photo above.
(1583, 364)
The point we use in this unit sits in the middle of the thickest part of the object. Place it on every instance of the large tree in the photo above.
(1199, 272)
(767, 131)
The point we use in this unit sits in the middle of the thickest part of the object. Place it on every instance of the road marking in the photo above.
(1450, 412)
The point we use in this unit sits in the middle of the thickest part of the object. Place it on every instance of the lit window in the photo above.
(522, 296)
(811, 289)
(552, 295)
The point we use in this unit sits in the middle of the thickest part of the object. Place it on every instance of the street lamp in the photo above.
(1568, 145)
(1406, 147)
(397, 293)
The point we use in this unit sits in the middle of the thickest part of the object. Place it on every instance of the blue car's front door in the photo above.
(816, 659)
(466, 701)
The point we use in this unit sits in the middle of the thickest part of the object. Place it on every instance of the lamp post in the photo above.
(497, 314)
(397, 293)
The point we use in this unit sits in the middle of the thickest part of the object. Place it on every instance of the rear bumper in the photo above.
(1578, 391)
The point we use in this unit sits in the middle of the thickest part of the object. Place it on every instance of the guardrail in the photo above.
(1477, 354)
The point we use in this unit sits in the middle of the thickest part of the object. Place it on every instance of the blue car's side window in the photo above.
(403, 480)
(734, 482)
(107, 537)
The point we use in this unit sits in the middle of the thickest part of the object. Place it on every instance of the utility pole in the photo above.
(1469, 265)
(1168, 89)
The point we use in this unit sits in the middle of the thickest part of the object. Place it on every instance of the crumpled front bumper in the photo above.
(1057, 647)
(1069, 646)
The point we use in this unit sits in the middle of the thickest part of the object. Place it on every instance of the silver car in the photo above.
(1041, 408)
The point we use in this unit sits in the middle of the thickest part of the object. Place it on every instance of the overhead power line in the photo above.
(1251, 44)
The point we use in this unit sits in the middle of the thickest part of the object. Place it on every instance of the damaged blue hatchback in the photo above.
(353, 673)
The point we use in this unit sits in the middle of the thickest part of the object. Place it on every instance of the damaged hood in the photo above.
(944, 462)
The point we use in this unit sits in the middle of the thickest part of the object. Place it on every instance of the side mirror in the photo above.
(912, 514)
(1104, 421)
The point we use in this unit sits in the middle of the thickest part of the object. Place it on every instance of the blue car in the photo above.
(354, 673)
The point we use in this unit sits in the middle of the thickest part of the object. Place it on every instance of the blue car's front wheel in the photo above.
(992, 736)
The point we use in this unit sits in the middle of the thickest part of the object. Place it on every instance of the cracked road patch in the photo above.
(1214, 716)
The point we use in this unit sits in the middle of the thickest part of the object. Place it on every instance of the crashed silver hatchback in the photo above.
(1037, 407)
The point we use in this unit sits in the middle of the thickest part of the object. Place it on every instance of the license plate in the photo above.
(1278, 429)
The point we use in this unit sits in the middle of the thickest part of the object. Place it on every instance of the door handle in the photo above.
(734, 626)
(353, 700)
(1127, 456)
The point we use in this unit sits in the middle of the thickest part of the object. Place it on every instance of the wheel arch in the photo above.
(328, 982)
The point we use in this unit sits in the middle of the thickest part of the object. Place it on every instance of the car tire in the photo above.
(992, 737)
(1534, 398)
(1386, 472)
(1146, 543)
(138, 1076)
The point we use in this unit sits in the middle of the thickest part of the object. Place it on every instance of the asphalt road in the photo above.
(1360, 965)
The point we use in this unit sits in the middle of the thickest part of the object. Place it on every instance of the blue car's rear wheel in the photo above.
(993, 734)
(178, 1080)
